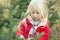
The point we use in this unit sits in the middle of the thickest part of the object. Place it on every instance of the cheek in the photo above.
(32, 16)
(38, 16)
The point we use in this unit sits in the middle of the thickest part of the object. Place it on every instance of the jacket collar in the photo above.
(42, 23)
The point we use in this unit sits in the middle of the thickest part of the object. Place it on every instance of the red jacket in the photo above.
(25, 29)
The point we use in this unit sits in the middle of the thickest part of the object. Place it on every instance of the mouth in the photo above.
(35, 19)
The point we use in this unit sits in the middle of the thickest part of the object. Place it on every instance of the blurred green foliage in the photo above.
(53, 13)
(12, 11)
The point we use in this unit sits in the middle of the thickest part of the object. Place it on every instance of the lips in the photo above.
(35, 19)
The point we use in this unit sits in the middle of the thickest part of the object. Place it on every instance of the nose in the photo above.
(35, 14)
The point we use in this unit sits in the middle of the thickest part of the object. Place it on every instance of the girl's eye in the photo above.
(32, 12)
(37, 12)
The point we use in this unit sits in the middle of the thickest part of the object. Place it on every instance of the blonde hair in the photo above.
(40, 5)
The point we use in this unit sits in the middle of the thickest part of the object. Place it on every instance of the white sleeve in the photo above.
(21, 36)
(29, 39)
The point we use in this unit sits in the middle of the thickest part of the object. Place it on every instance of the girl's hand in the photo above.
(32, 38)
(25, 38)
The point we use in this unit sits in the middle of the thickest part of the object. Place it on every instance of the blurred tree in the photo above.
(53, 14)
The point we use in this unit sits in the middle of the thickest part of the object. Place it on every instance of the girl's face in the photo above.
(35, 14)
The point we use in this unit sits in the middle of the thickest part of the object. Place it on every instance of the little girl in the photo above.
(35, 22)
